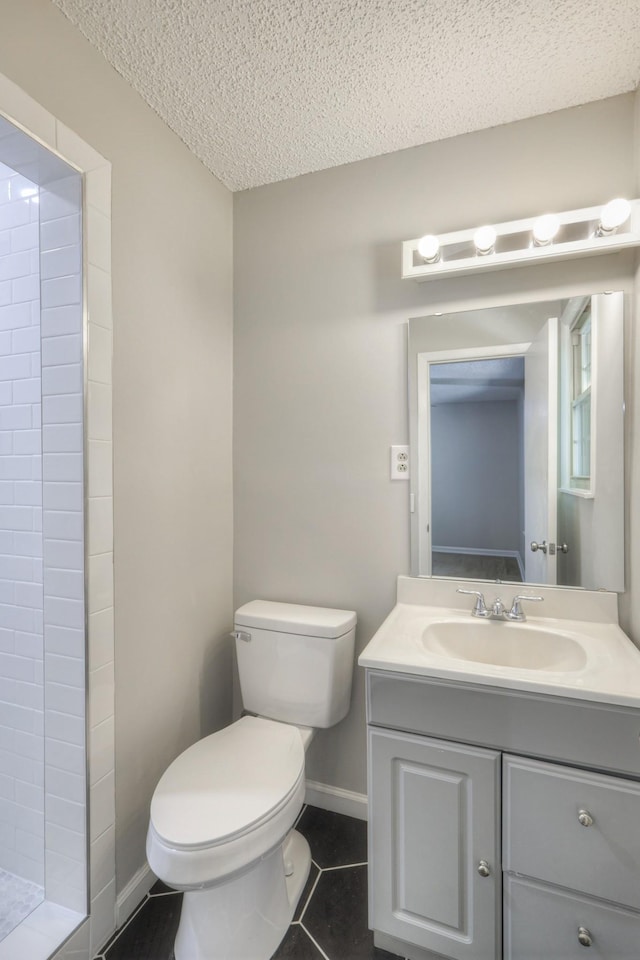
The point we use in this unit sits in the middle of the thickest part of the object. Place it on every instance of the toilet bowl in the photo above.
(222, 815)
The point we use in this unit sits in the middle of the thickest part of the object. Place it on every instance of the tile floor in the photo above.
(330, 922)
(18, 898)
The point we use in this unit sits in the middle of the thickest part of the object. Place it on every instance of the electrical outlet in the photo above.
(400, 462)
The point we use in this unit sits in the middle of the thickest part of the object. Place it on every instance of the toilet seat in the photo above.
(226, 801)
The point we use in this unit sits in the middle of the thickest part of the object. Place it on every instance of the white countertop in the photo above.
(611, 673)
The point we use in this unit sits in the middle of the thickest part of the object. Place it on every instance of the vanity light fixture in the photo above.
(575, 233)
(429, 248)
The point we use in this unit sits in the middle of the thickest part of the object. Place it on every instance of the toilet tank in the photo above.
(295, 662)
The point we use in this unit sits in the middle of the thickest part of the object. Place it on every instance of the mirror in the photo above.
(516, 432)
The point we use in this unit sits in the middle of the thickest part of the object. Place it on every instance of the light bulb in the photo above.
(545, 229)
(429, 248)
(484, 239)
(613, 215)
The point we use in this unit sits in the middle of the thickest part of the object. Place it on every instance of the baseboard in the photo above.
(337, 800)
(477, 551)
(135, 891)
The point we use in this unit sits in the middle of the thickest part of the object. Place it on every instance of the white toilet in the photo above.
(222, 814)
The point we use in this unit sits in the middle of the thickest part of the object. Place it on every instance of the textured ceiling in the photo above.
(263, 90)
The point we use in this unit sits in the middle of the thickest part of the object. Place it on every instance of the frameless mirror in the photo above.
(516, 430)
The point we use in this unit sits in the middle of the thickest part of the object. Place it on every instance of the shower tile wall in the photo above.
(21, 545)
(63, 527)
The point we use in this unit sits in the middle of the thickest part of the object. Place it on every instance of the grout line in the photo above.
(314, 942)
(344, 866)
(311, 893)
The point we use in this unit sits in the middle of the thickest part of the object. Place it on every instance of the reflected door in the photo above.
(540, 471)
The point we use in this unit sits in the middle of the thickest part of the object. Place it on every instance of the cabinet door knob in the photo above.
(484, 869)
(585, 818)
(584, 937)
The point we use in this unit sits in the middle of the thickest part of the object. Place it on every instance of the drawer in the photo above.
(543, 836)
(543, 922)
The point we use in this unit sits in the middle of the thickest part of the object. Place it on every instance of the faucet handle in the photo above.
(480, 607)
(516, 612)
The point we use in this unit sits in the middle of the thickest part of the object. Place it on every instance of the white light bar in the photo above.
(514, 245)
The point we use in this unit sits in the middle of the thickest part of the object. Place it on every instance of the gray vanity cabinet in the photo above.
(540, 794)
(434, 844)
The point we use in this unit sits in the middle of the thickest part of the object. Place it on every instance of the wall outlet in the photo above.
(400, 462)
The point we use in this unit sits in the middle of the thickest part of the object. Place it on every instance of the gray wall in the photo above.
(320, 379)
(476, 459)
(172, 306)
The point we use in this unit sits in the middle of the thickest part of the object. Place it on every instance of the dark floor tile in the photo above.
(297, 946)
(337, 916)
(308, 887)
(151, 933)
(160, 887)
(335, 840)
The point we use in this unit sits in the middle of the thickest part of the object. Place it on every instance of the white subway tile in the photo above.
(99, 355)
(30, 795)
(61, 840)
(62, 409)
(62, 379)
(101, 694)
(61, 291)
(102, 806)
(59, 612)
(7, 493)
(65, 813)
(61, 262)
(101, 750)
(25, 289)
(100, 638)
(62, 438)
(61, 783)
(102, 860)
(60, 232)
(27, 544)
(98, 230)
(66, 641)
(28, 492)
(61, 321)
(61, 198)
(98, 188)
(66, 756)
(25, 340)
(65, 699)
(64, 554)
(99, 411)
(15, 264)
(15, 468)
(27, 391)
(102, 916)
(65, 727)
(68, 584)
(99, 297)
(15, 315)
(100, 469)
(62, 349)
(15, 367)
(16, 568)
(27, 442)
(100, 527)
(16, 518)
(62, 496)
(5, 287)
(62, 467)
(61, 524)
(16, 417)
(66, 670)
(5, 343)
(100, 582)
(24, 238)
(30, 644)
(29, 595)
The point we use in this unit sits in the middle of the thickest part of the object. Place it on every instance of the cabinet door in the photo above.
(434, 812)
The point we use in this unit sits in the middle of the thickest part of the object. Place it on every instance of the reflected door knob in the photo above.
(584, 937)
(484, 869)
(539, 546)
(585, 818)
(563, 548)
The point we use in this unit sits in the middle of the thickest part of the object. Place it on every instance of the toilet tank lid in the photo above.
(295, 618)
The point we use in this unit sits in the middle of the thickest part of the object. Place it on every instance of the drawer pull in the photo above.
(484, 869)
(584, 937)
(585, 819)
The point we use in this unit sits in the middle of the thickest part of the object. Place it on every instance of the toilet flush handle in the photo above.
(241, 635)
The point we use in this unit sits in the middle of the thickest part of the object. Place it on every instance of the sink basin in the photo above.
(504, 644)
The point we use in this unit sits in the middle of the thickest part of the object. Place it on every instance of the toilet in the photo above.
(222, 815)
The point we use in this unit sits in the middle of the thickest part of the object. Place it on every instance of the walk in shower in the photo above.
(43, 837)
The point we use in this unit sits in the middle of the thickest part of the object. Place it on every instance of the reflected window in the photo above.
(581, 400)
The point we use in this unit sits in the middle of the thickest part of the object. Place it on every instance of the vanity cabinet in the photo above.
(488, 838)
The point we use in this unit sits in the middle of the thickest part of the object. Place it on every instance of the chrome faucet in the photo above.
(497, 610)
